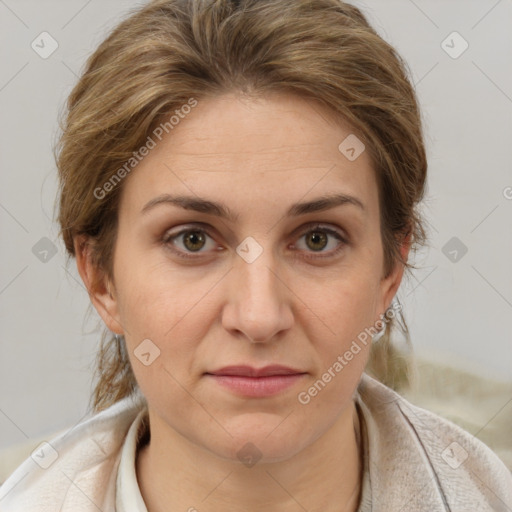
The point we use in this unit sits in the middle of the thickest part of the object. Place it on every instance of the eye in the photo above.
(192, 240)
(317, 239)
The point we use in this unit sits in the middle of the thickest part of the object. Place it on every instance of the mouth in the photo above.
(251, 382)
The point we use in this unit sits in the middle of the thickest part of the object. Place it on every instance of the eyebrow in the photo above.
(198, 204)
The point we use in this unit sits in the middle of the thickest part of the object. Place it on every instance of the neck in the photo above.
(325, 476)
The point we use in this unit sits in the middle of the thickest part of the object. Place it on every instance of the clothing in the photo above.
(413, 460)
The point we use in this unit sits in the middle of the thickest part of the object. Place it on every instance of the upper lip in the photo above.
(249, 371)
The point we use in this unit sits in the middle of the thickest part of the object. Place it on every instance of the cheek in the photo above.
(344, 306)
(164, 305)
(345, 310)
(150, 292)
(342, 342)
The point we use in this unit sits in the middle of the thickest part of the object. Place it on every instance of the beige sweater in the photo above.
(413, 460)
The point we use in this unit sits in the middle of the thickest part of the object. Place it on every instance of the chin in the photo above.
(261, 443)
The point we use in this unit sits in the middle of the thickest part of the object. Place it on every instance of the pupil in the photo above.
(194, 237)
(317, 237)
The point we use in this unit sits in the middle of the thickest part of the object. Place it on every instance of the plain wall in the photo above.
(457, 311)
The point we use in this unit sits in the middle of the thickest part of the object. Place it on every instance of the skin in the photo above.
(258, 157)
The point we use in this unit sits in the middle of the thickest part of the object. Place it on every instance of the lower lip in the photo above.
(257, 386)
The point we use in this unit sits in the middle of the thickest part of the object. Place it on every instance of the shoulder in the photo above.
(423, 448)
(77, 469)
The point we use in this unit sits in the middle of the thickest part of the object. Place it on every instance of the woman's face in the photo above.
(272, 283)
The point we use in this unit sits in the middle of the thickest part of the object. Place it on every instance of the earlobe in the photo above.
(98, 285)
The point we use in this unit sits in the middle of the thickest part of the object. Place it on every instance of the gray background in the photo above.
(458, 307)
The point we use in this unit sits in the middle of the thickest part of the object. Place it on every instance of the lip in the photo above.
(258, 383)
(249, 371)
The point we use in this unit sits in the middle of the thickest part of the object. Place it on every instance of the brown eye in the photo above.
(194, 240)
(186, 242)
(318, 240)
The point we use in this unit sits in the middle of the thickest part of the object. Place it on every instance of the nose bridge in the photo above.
(256, 272)
(260, 303)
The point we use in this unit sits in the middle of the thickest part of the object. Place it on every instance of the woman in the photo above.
(239, 184)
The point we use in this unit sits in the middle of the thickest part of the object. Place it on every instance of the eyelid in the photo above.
(329, 228)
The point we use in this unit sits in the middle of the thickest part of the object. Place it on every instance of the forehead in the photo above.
(282, 148)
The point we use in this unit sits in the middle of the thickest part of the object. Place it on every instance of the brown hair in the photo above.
(169, 51)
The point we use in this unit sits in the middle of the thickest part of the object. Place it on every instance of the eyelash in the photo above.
(168, 237)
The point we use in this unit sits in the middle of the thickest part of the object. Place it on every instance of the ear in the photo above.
(390, 284)
(101, 291)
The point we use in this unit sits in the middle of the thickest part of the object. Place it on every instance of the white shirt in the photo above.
(414, 461)
(128, 496)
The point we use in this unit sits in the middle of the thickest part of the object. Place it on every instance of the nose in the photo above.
(259, 304)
